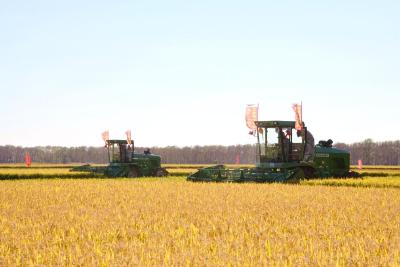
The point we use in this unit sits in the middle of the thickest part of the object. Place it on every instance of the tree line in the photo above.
(371, 153)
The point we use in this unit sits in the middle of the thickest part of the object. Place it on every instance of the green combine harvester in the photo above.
(284, 155)
(124, 162)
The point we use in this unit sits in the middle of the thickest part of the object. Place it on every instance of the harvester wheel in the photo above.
(352, 174)
(133, 172)
(309, 172)
(161, 172)
(297, 176)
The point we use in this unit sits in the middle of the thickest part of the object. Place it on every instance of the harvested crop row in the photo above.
(378, 182)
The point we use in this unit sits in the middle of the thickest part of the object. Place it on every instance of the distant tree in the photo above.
(378, 153)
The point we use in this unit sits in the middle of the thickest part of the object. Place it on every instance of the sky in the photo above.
(180, 73)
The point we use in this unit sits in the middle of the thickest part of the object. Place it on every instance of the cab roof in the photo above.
(273, 124)
(117, 141)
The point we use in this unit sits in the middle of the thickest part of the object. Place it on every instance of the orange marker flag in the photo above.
(27, 159)
(298, 110)
(237, 160)
(129, 137)
(251, 117)
(360, 164)
(106, 136)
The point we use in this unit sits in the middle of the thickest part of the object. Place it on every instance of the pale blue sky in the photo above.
(181, 72)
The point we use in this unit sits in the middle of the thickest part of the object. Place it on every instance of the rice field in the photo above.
(171, 222)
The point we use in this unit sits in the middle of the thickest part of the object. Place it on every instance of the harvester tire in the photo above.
(297, 176)
(353, 174)
(133, 172)
(162, 172)
(309, 172)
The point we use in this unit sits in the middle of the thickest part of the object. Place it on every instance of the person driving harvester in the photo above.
(284, 139)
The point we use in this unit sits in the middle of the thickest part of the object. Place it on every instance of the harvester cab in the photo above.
(278, 142)
(119, 151)
(283, 154)
(124, 162)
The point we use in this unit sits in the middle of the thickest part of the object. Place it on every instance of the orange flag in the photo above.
(128, 136)
(27, 159)
(237, 160)
(297, 108)
(360, 164)
(106, 136)
(251, 116)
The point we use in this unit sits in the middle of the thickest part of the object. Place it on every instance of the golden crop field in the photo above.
(168, 221)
